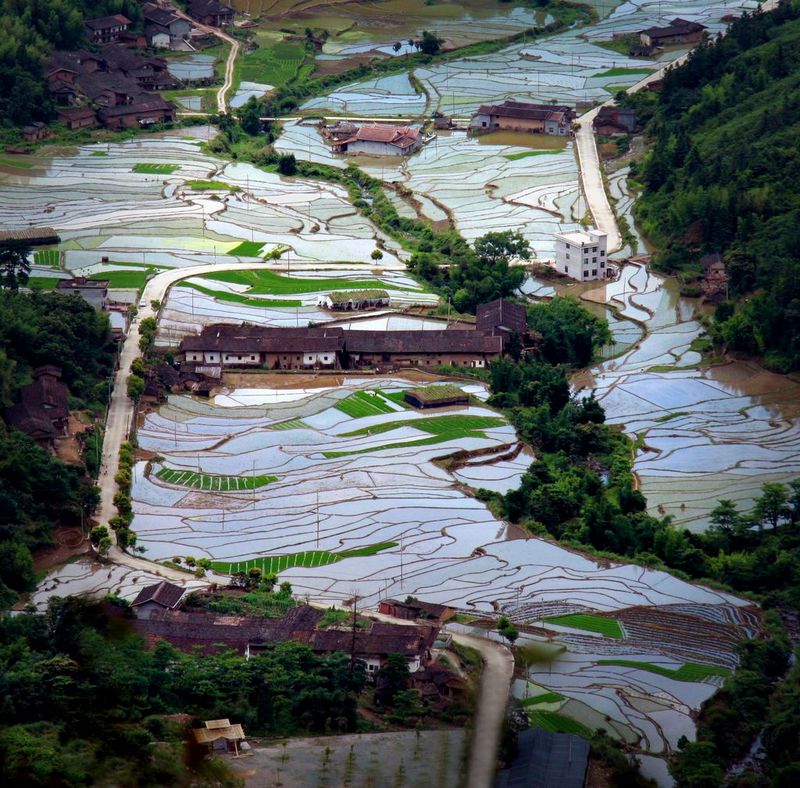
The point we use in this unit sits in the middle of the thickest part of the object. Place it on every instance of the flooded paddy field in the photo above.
(356, 503)
(568, 67)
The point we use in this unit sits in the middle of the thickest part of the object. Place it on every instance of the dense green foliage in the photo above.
(36, 492)
(50, 328)
(31, 30)
(81, 700)
(722, 175)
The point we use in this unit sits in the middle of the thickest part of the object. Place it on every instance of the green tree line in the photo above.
(721, 175)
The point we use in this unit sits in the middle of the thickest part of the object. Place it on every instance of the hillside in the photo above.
(722, 175)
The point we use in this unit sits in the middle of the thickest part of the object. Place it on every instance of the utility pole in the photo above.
(353, 637)
(317, 519)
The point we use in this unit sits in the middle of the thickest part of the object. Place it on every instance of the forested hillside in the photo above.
(31, 30)
(722, 174)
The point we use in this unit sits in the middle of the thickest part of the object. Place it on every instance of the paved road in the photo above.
(222, 103)
(589, 160)
(498, 670)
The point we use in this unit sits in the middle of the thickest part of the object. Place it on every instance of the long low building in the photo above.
(553, 119)
(332, 347)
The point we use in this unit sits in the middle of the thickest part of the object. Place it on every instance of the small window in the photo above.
(594, 272)
(594, 259)
(567, 255)
(566, 269)
(594, 248)
(602, 264)
(585, 274)
(602, 253)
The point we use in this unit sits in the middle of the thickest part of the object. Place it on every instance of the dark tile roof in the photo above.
(159, 16)
(207, 8)
(41, 404)
(455, 341)
(546, 760)
(677, 27)
(164, 593)
(76, 113)
(100, 82)
(82, 283)
(259, 339)
(141, 104)
(502, 314)
(107, 22)
(520, 109)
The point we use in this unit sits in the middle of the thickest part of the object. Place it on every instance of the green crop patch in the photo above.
(308, 558)
(273, 65)
(245, 249)
(557, 723)
(206, 186)
(621, 72)
(15, 163)
(265, 282)
(689, 671)
(51, 257)
(608, 627)
(528, 153)
(42, 282)
(211, 482)
(670, 416)
(364, 403)
(290, 424)
(547, 697)
(398, 397)
(238, 298)
(133, 280)
(149, 168)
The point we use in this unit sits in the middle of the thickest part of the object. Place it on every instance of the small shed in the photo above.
(219, 731)
(436, 397)
(355, 300)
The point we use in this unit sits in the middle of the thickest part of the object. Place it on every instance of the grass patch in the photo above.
(265, 282)
(608, 627)
(547, 697)
(238, 298)
(621, 45)
(42, 282)
(398, 397)
(441, 429)
(307, 558)
(99, 153)
(20, 165)
(205, 186)
(206, 481)
(558, 723)
(528, 153)
(245, 248)
(150, 168)
(273, 64)
(670, 416)
(51, 257)
(689, 671)
(619, 71)
(370, 549)
(290, 424)
(363, 403)
(133, 280)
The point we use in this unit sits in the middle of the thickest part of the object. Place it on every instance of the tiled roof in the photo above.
(677, 27)
(501, 314)
(520, 109)
(398, 136)
(164, 593)
(140, 105)
(257, 339)
(106, 22)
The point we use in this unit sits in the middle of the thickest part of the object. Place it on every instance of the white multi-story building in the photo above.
(582, 256)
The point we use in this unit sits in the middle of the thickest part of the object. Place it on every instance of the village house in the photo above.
(156, 597)
(142, 111)
(93, 291)
(219, 732)
(77, 117)
(679, 31)
(610, 121)
(107, 29)
(582, 255)
(209, 633)
(210, 12)
(163, 28)
(715, 277)
(35, 132)
(42, 410)
(31, 236)
(332, 347)
(380, 140)
(414, 609)
(553, 119)
(351, 301)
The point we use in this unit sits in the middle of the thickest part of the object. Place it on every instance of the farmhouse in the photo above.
(553, 119)
(159, 596)
(160, 22)
(413, 609)
(93, 291)
(210, 12)
(35, 132)
(77, 117)
(715, 277)
(216, 732)
(614, 120)
(350, 301)
(248, 635)
(582, 256)
(679, 31)
(31, 236)
(502, 318)
(143, 111)
(107, 29)
(41, 412)
(380, 140)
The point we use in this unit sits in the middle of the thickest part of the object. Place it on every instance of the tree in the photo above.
(507, 629)
(376, 255)
(104, 545)
(397, 47)
(430, 44)
(250, 117)
(497, 247)
(287, 165)
(392, 678)
(14, 265)
(135, 387)
(772, 505)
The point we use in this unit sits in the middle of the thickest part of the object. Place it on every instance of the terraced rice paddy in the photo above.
(364, 403)
(204, 481)
(155, 169)
(603, 626)
(49, 257)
